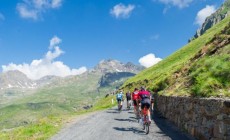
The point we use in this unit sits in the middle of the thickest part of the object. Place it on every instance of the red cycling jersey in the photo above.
(135, 95)
(144, 94)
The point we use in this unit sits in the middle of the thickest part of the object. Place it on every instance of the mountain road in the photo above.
(113, 125)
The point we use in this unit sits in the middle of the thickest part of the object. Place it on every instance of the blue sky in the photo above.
(92, 30)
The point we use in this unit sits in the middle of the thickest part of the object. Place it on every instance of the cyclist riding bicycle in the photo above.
(145, 98)
(128, 98)
(119, 100)
(135, 98)
(152, 103)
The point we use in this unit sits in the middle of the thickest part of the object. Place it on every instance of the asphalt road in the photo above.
(112, 125)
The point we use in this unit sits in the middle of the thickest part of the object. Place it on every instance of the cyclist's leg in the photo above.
(142, 109)
(148, 104)
(138, 109)
(135, 107)
(129, 103)
(118, 103)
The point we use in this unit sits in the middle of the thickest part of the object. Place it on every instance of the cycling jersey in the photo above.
(135, 95)
(119, 96)
(143, 94)
(128, 96)
(145, 98)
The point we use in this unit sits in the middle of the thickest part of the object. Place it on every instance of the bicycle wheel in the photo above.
(143, 126)
(120, 109)
(146, 128)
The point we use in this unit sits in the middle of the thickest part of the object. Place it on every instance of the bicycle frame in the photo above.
(138, 110)
(119, 105)
(146, 121)
(145, 115)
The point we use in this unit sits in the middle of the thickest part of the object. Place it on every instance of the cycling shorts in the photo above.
(135, 102)
(145, 103)
(118, 100)
(128, 98)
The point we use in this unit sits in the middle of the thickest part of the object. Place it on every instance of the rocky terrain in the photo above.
(219, 15)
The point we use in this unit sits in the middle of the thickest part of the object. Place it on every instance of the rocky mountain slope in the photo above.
(114, 78)
(219, 15)
(111, 73)
(110, 65)
(16, 79)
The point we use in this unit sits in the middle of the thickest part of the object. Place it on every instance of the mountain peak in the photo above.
(14, 73)
(111, 65)
(15, 79)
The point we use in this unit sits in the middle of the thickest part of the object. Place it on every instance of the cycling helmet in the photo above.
(142, 88)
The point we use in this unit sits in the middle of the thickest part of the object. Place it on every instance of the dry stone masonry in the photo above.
(203, 118)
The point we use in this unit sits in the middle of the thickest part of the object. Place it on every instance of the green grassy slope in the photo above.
(178, 74)
(41, 114)
(46, 126)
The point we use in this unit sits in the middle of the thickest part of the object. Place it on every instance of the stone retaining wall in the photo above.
(203, 118)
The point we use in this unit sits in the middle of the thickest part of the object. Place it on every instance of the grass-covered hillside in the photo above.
(201, 68)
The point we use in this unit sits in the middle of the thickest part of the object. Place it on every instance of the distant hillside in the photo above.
(201, 68)
(219, 15)
(115, 78)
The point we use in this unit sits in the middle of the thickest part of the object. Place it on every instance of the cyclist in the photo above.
(135, 97)
(119, 100)
(152, 103)
(145, 98)
(128, 98)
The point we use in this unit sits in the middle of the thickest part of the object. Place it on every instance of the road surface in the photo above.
(112, 125)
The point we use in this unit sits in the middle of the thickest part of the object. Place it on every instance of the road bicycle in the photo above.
(129, 104)
(120, 105)
(146, 122)
(138, 111)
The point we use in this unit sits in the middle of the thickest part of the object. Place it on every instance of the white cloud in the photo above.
(178, 3)
(2, 17)
(56, 3)
(46, 66)
(27, 13)
(122, 11)
(149, 60)
(204, 13)
(54, 42)
(34, 8)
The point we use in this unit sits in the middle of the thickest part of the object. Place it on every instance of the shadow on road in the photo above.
(128, 120)
(134, 130)
(131, 112)
(112, 112)
(133, 118)
(169, 129)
